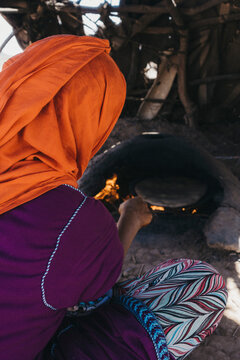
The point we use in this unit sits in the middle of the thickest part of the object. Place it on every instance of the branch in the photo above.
(158, 9)
(7, 10)
(173, 11)
(145, 20)
(13, 33)
(214, 20)
(13, 3)
(138, 9)
(80, 22)
(207, 22)
(198, 9)
(153, 30)
(158, 101)
(189, 106)
(160, 88)
(211, 79)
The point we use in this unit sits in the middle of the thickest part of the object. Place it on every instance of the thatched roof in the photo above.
(194, 44)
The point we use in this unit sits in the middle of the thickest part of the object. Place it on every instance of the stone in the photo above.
(223, 229)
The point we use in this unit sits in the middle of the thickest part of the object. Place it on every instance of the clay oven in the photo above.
(173, 176)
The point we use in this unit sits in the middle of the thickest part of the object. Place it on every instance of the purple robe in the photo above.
(54, 251)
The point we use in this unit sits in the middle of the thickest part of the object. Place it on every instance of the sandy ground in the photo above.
(183, 239)
(169, 237)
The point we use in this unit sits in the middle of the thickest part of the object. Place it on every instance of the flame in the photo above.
(159, 208)
(130, 196)
(110, 192)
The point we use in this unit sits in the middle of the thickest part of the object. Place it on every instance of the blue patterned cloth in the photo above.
(148, 320)
(85, 308)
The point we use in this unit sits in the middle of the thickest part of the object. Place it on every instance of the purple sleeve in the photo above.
(87, 260)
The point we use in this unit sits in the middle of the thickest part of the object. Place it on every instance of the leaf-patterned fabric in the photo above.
(187, 297)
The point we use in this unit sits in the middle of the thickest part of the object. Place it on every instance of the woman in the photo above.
(59, 249)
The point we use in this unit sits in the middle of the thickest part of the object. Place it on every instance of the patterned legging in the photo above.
(188, 298)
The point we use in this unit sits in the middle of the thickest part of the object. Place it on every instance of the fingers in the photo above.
(137, 208)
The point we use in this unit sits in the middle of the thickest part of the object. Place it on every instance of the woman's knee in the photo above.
(210, 285)
(199, 279)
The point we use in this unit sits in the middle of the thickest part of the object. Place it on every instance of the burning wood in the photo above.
(110, 192)
(157, 208)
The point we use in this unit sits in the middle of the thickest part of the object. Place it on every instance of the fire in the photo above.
(130, 196)
(110, 192)
(158, 208)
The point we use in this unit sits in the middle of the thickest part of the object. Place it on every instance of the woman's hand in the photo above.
(136, 210)
(134, 214)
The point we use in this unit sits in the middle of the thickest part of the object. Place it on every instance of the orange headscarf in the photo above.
(59, 101)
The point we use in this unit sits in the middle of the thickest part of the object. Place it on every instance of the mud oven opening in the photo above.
(175, 177)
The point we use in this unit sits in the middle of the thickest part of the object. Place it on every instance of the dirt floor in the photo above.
(182, 237)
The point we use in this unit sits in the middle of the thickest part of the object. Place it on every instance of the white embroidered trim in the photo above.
(72, 187)
(56, 248)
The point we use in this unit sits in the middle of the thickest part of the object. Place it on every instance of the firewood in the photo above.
(160, 89)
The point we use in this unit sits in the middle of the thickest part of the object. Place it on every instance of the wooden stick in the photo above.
(214, 20)
(159, 8)
(138, 9)
(14, 4)
(235, 331)
(203, 7)
(215, 78)
(145, 20)
(138, 91)
(173, 10)
(11, 10)
(208, 22)
(134, 98)
(160, 88)
(134, 65)
(189, 106)
(158, 30)
(13, 33)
